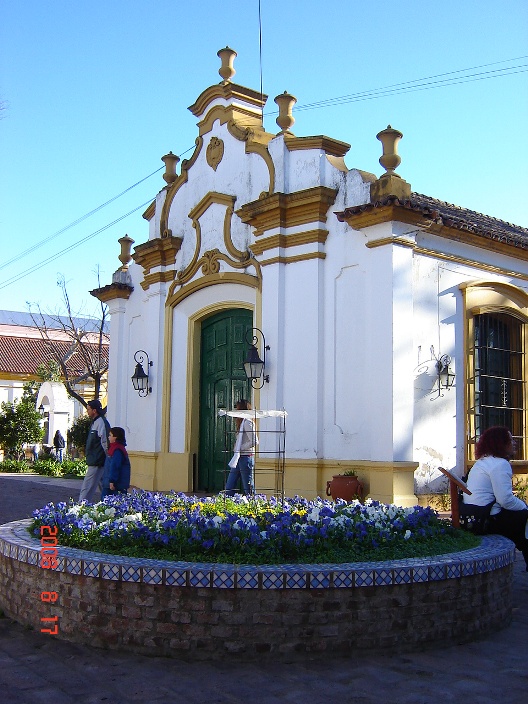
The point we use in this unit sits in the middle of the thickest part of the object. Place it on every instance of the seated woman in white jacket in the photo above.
(490, 479)
(242, 463)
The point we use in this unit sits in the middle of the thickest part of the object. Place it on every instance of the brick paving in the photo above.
(36, 668)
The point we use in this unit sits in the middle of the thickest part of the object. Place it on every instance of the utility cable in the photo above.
(75, 222)
(396, 88)
(407, 86)
(36, 267)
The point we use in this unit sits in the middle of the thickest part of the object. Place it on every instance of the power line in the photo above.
(75, 222)
(36, 267)
(420, 84)
(382, 93)
(425, 83)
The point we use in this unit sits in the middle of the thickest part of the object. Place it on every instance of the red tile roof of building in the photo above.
(23, 355)
(449, 215)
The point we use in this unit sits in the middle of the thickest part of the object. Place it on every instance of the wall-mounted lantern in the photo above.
(140, 378)
(446, 378)
(254, 366)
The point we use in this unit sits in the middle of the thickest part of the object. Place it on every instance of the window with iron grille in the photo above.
(498, 369)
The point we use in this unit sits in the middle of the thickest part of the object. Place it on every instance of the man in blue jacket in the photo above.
(96, 450)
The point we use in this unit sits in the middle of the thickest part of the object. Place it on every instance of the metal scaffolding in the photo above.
(271, 450)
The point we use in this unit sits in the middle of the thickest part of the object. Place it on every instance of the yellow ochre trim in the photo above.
(157, 252)
(455, 258)
(227, 91)
(289, 240)
(293, 259)
(186, 164)
(281, 210)
(176, 297)
(388, 213)
(150, 211)
(333, 147)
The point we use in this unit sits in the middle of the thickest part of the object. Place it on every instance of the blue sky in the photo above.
(97, 92)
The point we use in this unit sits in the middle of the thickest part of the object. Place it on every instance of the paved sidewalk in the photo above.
(36, 668)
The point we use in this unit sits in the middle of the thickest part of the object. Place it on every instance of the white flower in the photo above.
(132, 517)
(407, 535)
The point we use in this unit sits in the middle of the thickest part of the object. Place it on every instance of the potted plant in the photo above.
(345, 486)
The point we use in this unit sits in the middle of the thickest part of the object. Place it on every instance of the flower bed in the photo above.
(218, 611)
(256, 530)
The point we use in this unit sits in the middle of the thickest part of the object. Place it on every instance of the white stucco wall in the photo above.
(354, 333)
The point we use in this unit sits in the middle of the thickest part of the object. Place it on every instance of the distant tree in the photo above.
(49, 371)
(30, 391)
(19, 424)
(78, 433)
(84, 357)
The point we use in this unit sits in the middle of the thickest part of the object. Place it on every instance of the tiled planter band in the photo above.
(215, 611)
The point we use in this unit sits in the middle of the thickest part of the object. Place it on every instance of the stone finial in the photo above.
(285, 120)
(226, 70)
(170, 160)
(126, 243)
(390, 160)
(390, 184)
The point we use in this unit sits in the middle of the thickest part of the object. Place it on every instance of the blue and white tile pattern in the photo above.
(494, 553)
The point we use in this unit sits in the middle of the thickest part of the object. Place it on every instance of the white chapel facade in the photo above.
(396, 323)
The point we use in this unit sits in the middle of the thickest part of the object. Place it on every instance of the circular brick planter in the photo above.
(215, 611)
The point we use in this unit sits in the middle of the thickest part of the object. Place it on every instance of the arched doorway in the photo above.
(222, 383)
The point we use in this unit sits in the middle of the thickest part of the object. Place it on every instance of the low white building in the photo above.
(395, 322)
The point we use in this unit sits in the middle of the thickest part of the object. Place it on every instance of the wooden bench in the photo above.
(455, 485)
(465, 515)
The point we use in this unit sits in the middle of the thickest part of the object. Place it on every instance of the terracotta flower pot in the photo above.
(344, 487)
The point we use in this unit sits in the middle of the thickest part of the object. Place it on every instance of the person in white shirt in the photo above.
(242, 463)
(490, 479)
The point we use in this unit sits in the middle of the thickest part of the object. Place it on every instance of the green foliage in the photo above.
(441, 502)
(15, 466)
(350, 473)
(19, 424)
(49, 371)
(78, 433)
(520, 488)
(48, 467)
(30, 392)
(73, 468)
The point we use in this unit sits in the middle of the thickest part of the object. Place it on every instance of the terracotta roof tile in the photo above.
(23, 355)
(450, 215)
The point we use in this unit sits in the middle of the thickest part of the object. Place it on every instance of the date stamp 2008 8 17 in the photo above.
(48, 560)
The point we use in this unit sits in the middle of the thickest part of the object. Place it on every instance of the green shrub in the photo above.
(78, 433)
(48, 467)
(19, 424)
(520, 488)
(75, 468)
(18, 466)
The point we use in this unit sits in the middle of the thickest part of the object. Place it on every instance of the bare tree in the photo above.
(81, 347)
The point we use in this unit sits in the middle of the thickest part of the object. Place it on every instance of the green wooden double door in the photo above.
(222, 383)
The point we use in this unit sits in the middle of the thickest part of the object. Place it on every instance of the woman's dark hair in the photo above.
(494, 442)
(119, 435)
(243, 404)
